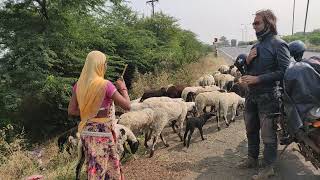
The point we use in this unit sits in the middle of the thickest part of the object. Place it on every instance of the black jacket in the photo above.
(273, 58)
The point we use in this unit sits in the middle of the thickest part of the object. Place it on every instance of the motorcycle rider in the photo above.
(299, 73)
(266, 63)
(297, 49)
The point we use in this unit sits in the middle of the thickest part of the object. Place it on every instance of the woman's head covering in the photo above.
(91, 86)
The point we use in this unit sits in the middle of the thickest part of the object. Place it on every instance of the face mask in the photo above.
(262, 33)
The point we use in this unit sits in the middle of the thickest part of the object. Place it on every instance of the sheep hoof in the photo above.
(151, 153)
(227, 124)
(219, 128)
(167, 145)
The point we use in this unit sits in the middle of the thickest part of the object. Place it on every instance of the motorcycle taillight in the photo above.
(316, 124)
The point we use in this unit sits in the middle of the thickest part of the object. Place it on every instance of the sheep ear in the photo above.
(122, 131)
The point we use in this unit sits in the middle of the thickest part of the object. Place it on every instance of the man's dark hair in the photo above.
(269, 19)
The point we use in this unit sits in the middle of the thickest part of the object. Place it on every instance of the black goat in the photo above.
(195, 122)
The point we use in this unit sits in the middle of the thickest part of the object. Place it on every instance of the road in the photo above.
(232, 52)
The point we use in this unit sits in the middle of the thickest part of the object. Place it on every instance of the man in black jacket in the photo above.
(266, 64)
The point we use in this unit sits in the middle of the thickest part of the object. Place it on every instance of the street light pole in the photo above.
(294, 6)
(305, 21)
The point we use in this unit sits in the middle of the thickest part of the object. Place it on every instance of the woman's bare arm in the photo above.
(73, 108)
(122, 100)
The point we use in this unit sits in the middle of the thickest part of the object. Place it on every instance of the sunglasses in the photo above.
(256, 23)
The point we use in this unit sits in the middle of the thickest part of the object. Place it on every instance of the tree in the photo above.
(46, 42)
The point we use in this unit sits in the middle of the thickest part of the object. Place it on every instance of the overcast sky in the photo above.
(230, 18)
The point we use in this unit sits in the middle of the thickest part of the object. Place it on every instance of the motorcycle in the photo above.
(307, 137)
(299, 120)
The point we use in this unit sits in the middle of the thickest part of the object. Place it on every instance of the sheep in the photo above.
(233, 71)
(207, 89)
(218, 78)
(153, 93)
(226, 100)
(155, 129)
(205, 99)
(175, 91)
(123, 134)
(215, 73)
(139, 120)
(224, 69)
(206, 80)
(226, 81)
(190, 105)
(177, 112)
(153, 119)
(192, 95)
(186, 90)
(164, 99)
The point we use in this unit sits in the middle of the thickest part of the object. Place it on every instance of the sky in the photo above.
(232, 18)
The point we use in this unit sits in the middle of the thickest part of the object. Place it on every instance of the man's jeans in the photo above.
(260, 114)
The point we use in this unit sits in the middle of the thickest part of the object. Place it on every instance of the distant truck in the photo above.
(233, 42)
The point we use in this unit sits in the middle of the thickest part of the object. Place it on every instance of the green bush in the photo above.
(46, 44)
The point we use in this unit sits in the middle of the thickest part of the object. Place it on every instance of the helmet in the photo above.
(297, 49)
(240, 61)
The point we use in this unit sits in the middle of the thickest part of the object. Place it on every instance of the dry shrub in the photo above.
(18, 165)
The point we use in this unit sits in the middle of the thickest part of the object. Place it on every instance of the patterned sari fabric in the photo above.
(100, 151)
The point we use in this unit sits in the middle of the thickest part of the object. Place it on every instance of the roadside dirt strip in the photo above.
(214, 158)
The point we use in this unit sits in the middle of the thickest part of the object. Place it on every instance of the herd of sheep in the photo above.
(175, 104)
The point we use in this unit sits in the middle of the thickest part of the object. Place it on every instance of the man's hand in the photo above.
(252, 55)
(249, 79)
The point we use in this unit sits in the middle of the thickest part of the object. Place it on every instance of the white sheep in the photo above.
(186, 91)
(137, 121)
(218, 78)
(205, 99)
(226, 101)
(153, 117)
(224, 69)
(207, 89)
(233, 71)
(162, 118)
(224, 80)
(205, 80)
(124, 135)
(176, 111)
(163, 99)
(119, 110)
(215, 73)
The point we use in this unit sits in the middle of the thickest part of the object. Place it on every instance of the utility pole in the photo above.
(152, 4)
(305, 21)
(294, 6)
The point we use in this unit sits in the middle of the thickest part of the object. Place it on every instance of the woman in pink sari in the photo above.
(92, 99)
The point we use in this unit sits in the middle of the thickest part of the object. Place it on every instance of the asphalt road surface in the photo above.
(232, 52)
